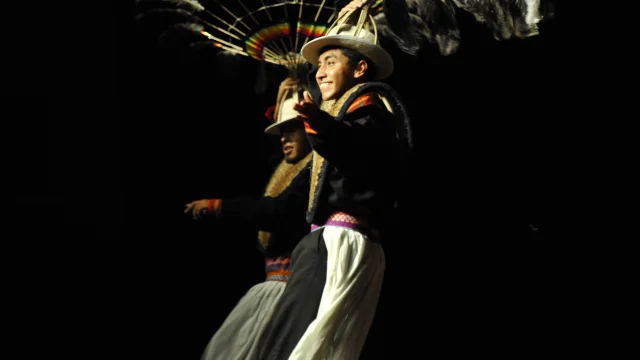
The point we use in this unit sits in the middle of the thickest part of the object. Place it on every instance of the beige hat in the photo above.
(286, 113)
(357, 37)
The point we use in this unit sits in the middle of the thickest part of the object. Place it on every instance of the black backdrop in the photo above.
(466, 274)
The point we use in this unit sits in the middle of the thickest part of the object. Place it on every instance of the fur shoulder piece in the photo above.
(392, 102)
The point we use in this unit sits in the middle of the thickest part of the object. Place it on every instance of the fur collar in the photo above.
(280, 180)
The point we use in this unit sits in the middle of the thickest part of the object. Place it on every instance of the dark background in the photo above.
(466, 273)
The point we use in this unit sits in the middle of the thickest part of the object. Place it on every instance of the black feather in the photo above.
(168, 16)
(437, 20)
(191, 6)
(396, 23)
(406, 22)
(181, 34)
(508, 18)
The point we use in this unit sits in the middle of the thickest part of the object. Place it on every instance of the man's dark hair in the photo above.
(354, 58)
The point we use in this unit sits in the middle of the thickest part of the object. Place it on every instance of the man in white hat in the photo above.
(279, 218)
(360, 136)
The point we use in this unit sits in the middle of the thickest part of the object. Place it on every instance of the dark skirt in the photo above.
(299, 303)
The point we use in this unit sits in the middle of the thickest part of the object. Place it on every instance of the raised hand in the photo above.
(310, 113)
(286, 85)
(307, 108)
(198, 208)
(355, 4)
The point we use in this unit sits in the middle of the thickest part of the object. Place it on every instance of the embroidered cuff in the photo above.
(215, 205)
(308, 129)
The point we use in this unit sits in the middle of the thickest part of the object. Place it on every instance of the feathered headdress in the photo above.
(272, 31)
(408, 23)
(275, 30)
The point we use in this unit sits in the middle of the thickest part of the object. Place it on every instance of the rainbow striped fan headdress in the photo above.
(267, 30)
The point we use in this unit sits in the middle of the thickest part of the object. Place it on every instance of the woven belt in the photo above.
(278, 269)
(341, 219)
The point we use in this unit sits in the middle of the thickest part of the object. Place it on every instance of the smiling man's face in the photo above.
(335, 74)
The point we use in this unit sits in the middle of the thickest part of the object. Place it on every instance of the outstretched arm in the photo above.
(273, 214)
(265, 213)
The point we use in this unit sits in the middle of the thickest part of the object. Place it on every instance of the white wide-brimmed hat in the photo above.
(356, 37)
(286, 113)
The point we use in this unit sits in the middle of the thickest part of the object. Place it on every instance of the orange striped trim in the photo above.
(280, 272)
(364, 100)
(215, 205)
(308, 129)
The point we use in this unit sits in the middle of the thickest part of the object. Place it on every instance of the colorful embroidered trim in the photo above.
(278, 269)
(340, 219)
(364, 100)
(308, 129)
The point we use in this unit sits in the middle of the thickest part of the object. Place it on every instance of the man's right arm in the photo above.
(271, 214)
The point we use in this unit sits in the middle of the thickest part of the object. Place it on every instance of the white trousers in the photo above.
(355, 269)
